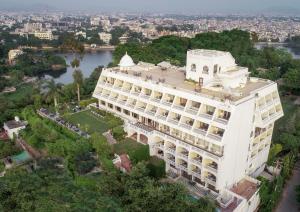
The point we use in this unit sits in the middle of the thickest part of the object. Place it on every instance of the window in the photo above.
(215, 69)
(193, 67)
(205, 70)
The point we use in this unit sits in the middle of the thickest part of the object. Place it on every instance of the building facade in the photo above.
(105, 37)
(210, 122)
(44, 35)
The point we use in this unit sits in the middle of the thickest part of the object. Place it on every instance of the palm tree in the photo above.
(78, 80)
(53, 91)
(75, 63)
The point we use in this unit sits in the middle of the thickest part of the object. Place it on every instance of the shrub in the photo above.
(118, 133)
(140, 154)
(157, 167)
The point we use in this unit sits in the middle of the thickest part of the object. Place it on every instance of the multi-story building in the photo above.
(44, 35)
(211, 123)
(105, 37)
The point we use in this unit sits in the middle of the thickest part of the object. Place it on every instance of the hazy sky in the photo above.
(169, 6)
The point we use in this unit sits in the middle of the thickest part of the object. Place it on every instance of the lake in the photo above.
(89, 62)
(294, 51)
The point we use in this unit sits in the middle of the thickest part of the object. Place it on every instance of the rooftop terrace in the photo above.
(175, 77)
(245, 188)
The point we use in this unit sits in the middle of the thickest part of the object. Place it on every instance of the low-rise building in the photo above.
(13, 127)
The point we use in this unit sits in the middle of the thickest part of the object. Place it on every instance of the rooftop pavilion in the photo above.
(215, 88)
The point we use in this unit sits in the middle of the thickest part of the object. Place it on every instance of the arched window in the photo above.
(215, 69)
(205, 70)
(193, 67)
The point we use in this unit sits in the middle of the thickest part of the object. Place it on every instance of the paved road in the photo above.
(288, 202)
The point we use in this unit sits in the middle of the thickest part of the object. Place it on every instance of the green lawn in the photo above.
(88, 121)
(136, 151)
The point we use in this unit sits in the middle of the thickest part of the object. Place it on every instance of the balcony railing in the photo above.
(162, 117)
(183, 167)
(174, 121)
(171, 161)
(215, 136)
(186, 126)
(140, 109)
(200, 131)
(206, 115)
(196, 161)
(171, 149)
(212, 168)
(210, 180)
(179, 107)
(192, 110)
(184, 155)
(151, 112)
(145, 96)
(156, 99)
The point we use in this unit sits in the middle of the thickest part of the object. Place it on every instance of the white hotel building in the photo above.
(210, 122)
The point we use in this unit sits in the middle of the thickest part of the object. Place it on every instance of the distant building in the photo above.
(33, 27)
(13, 54)
(122, 162)
(13, 127)
(81, 33)
(123, 39)
(95, 21)
(44, 35)
(105, 37)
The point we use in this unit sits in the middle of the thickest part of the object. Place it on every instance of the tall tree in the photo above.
(78, 80)
(53, 91)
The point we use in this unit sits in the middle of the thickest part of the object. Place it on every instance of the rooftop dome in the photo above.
(126, 61)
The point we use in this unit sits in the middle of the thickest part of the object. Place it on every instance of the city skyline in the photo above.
(290, 7)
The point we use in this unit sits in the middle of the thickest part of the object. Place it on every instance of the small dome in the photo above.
(126, 61)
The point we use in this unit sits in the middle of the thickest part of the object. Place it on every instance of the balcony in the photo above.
(200, 131)
(171, 149)
(212, 167)
(127, 89)
(174, 120)
(197, 160)
(105, 94)
(113, 98)
(108, 84)
(211, 179)
(179, 107)
(151, 112)
(141, 108)
(184, 154)
(206, 116)
(183, 166)
(171, 160)
(122, 101)
(145, 96)
(197, 171)
(192, 110)
(167, 103)
(156, 99)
